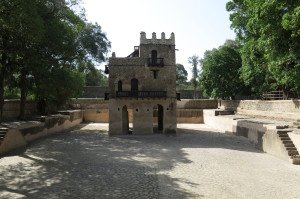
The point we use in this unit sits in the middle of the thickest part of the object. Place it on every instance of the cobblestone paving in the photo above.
(197, 163)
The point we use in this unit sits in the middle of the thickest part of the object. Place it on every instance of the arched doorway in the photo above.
(160, 117)
(125, 120)
(134, 87)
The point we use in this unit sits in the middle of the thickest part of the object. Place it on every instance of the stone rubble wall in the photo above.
(20, 133)
(277, 109)
(11, 109)
(188, 111)
(94, 91)
(260, 131)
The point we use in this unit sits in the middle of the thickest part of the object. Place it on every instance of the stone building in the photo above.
(142, 88)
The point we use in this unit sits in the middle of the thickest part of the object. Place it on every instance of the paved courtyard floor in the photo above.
(197, 163)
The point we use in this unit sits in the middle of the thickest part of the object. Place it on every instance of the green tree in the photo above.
(220, 73)
(194, 61)
(96, 78)
(270, 33)
(42, 43)
(181, 76)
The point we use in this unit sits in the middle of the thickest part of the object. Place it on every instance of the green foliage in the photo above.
(271, 34)
(181, 76)
(55, 88)
(45, 49)
(12, 93)
(220, 73)
(96, 78)
(194, 61)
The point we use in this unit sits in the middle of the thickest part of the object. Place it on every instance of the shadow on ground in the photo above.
(87, 163)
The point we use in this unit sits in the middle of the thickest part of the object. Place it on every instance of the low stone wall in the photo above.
(278, 109)
(261, 132)
(19, 134)
(188, 111)
(11, 109)
(189, 94)
(94, 91)
(190, 116)
(89, 103)
(197, 104)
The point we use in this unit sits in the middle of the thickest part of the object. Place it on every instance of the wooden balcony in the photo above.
(157, 62)
(141, 94)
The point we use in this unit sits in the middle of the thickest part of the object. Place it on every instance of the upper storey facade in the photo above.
(149, 71)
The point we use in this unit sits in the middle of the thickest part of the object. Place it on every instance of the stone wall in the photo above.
(11, 109)
(277, 109)
(189, 94)
(98, 92)
(94, 91)
(89, 103)
(188, 111)
(197, 104)
(19, 134)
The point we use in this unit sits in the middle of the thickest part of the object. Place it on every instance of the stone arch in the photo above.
(158, 118)
(125, 120)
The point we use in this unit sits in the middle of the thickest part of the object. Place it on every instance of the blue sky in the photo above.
(199, 25)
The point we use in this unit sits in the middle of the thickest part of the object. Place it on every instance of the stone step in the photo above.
(296, 159)
(296, 124)
(284, 130)
(282, 126)
(224, 112)
(287, 142)
(285, 138)
(289, 145)
(283, 135)
(291, 148)
(294, 152)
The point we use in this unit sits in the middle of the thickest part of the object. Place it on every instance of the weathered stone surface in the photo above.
(197, 163)
(138, 74)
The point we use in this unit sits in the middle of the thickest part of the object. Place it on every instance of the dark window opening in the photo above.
(155, 74)
(120, 85)
(154, 57)
(134, 85)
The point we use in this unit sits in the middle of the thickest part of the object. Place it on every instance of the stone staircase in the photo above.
(3, 132)
(289, 145)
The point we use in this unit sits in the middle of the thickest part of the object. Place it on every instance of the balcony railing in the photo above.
(142, 94)
(156, 62)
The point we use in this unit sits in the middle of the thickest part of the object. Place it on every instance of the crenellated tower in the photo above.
(143, 88)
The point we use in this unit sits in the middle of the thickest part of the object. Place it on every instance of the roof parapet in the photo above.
(154, 40)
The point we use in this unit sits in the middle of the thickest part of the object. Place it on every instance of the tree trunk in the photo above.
(285, 93)
(2, 76)
(23, 87)
(1, 92)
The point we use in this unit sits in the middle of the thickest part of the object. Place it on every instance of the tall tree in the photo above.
(270, 32)
(220, 73)
(194, 61)
(181, 76)
(42, 43)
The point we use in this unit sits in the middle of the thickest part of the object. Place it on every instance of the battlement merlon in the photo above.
(154, 40)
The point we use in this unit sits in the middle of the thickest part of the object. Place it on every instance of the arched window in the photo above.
(153, 57)
(119, 85)
(134, 85)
